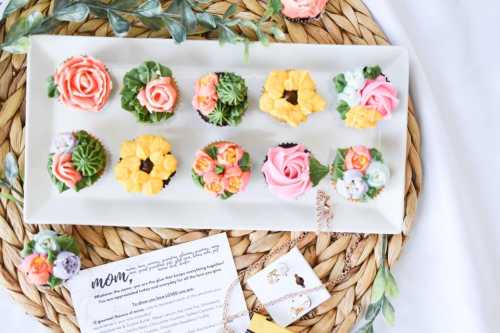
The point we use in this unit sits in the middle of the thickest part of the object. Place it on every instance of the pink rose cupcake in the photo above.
(290, 170)
(81, 83)
(222, 169)
(302, 11)
(365, 97)
(150, 92)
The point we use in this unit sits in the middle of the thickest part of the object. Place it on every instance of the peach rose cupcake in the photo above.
(150, 92)
(302, 11)
(81, 83)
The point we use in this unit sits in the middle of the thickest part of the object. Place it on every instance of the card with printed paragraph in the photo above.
(288, 288)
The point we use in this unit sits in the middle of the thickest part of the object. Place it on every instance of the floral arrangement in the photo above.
(365, 97)
(76, 160)
(50, 259)
(221, 99)
(359, 173)
(222, 169)
(290, 170)
(291, 96)
(82, 83)
(303, 11)
(149, 92)
(146, 164)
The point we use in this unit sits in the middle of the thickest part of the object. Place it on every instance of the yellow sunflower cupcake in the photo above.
(291, 96)
(146, 164)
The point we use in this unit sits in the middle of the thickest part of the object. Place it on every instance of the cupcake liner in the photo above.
(304, 20)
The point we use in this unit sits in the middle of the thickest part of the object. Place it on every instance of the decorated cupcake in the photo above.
(81, 83)
(221, 98)
(50, 259)
(222, 169)
(149, 92)
(359, 173)
(302, 11)
(290, 170)
(146, 164)
(365, 97)
(77, 160)
(290, 96)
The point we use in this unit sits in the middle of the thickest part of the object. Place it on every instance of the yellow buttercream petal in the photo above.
(142, 151)
(127, 149)
(121, 172)
(161, 145)
(146, 139)
(170, 163)
(319, 104)
(266, 102)
(152, 186)
(361, 117)
(131, 163)
(156, 157)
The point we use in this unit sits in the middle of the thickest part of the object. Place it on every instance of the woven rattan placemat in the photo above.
(345, 22)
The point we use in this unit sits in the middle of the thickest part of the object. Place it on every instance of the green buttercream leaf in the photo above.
(372, 192)
(59, 184)
(28, 248)
(219, 169)
(340, 82)
(89, 158)
(198, 180)
(245, 163)
(338, 165)
(67, 243)
(371, 72)
(212, 152)
(54, 282)
(343, 108)
(51, 256)
(226, 195)
(376, 155)
(317, 171)
(231, 89)
(52, 87)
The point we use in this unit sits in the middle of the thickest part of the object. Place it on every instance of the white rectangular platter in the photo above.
(182, 204)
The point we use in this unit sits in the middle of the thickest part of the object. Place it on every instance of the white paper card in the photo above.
(288, 275)
(176, 289)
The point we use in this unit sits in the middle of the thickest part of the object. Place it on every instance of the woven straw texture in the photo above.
(345, 22)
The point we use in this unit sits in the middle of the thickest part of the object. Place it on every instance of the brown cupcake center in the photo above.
(146, 165)
(291, 97)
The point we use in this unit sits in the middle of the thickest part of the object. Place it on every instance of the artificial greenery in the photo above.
(384, 286)
(135, 80)
(10, 179)
(181, 18)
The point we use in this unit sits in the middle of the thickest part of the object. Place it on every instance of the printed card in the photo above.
(176, 289)
(291, 280)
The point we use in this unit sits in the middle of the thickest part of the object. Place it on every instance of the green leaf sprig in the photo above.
(384, 286)
(10, 178)
(180, 19)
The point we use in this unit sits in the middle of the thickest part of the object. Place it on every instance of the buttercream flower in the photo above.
(83, 83)
(45, 241)
(228, 154)
(380, 95)
(213, 183)
(354, 82)
(352, 185)
(205, 94)
(37, 269)
(377, 174)
(358, 158)
(64, 170)
(362, 117)
(203, 163)
(287, 171)
(235, 180)
(302, 8)
(63, 143)
(66, 265)
(159, 95)
(291, 96)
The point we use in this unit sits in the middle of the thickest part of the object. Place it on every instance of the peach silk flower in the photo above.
(303, 8)
(287, 171)
(64, 171)
(159, 95)
(380, 95)
(358, 158)
(83, 84)
(37, 269)
(205, 94)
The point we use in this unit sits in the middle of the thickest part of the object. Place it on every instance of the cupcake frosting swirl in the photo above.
(287, 171)
(159, 95)
(302, 8)
(64, 171)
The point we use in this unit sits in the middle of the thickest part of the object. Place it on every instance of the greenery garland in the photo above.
(181, 18)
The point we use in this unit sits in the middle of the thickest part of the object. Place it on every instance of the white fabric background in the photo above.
(448, 273)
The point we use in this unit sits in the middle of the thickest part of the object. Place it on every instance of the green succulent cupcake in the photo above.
(76, 160)
(150, 92)
(221, 99)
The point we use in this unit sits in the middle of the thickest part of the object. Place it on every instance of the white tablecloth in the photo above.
(448, 273)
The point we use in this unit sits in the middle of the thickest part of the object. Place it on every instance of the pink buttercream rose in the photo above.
(287, 171)
(302, 8)
(380, 95)
(205, 94)
(64, 170)
(159, 95)
(83, 83)
(228, 154)
(358, 158)
(37, 269)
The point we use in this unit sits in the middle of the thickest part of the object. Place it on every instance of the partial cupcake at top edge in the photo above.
(146, 164)
(81, 83)
(365, 97)
(150, 92)
(359, 173)
(221, 98)
(291, 170)
(222, 169)
(76, 160)
(290, 96)
(302, 11)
